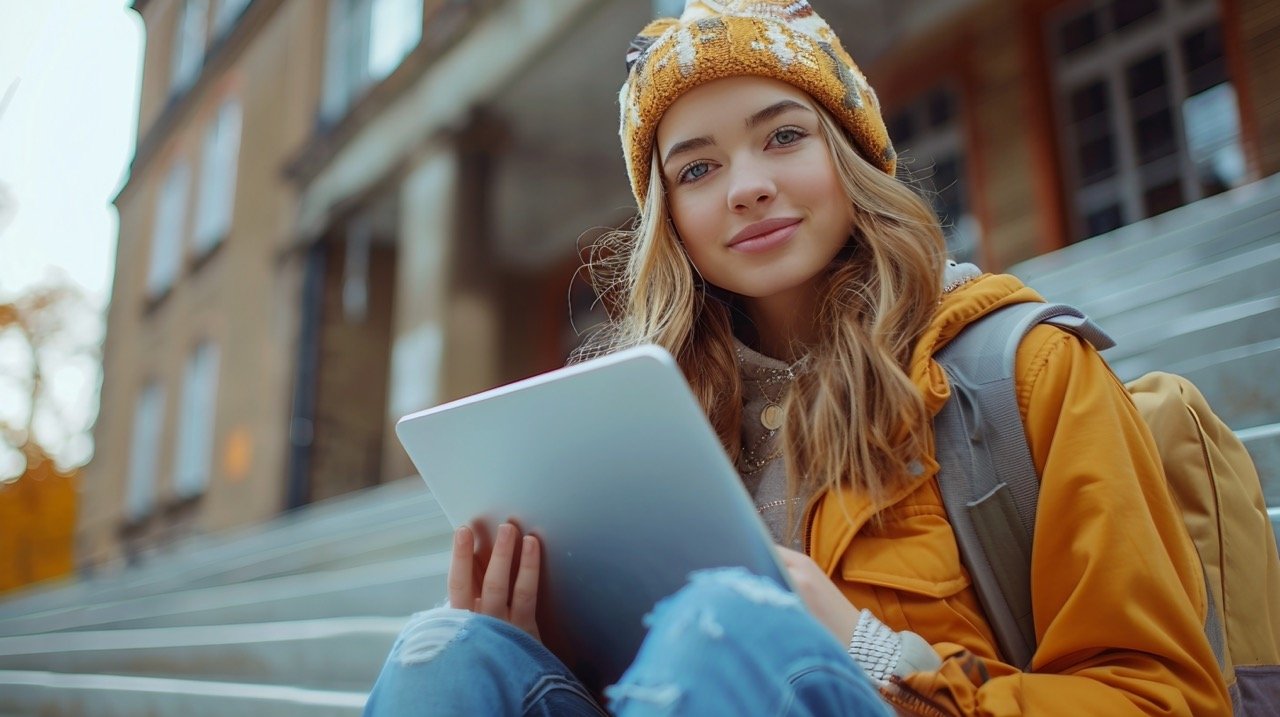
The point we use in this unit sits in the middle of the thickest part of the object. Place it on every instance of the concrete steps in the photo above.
(56, 694)
(294, 617)
(395, 520)
(1193, 292)
(336, 653)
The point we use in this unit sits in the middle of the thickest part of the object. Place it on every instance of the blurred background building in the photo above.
(342, 211)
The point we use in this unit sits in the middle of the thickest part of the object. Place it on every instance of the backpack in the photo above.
(989, 487)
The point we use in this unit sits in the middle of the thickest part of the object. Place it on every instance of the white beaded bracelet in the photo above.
(875, 647)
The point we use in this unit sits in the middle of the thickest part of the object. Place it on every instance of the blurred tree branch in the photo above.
(48, 323)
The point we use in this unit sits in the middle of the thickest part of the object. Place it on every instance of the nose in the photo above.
(751, 186)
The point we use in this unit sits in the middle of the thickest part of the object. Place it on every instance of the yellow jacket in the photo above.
(1117, 589)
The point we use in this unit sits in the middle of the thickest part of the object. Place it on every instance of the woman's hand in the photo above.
(488, 589)
(820, 595)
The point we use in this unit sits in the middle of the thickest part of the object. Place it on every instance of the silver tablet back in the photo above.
(613, 465)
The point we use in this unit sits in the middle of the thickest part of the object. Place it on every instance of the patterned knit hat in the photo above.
(781, 39)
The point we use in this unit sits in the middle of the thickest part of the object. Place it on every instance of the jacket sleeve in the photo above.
(1117, 589)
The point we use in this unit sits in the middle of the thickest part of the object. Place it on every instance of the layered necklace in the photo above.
(774, 385)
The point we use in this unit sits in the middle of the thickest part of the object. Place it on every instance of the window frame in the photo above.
(190, 40)
(219, 177)
(144, 451)
(197, 421)
(226, 13)
(349, 73)
(1107, 59)
(169, 230)
(930, 143)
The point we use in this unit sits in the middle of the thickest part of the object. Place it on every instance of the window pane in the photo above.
(1128, 12)
(1146, 75)
(1211, 121)
(1203, 57)
(1155, 136)
(1089, 101)
(193, 463)
(902, 128)
(218, 177)
(170, 221)
(336, 95)
(941, 108)
(946, 182)
(188, 44)
(395, 26)
(144, 452)
(1078, 32)
(1102, 220)
(1162, 198)
(226, 14)
(1097, 160)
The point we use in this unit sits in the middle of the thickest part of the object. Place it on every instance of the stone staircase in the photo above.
(295, 617)
(291, 618)
(1196, 292)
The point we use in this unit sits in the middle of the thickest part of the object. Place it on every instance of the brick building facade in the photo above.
(344, 211)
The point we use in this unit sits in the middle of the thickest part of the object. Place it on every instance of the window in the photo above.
(193, 462)
(1149, 118)
(668, 8)
(225, 14)
(218, 161)
(368, 39)
(928, 135)
(166, 238)
(144, 453)
(188, 45)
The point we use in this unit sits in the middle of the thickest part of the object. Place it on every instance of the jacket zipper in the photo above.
(806, 540)
(898, 694)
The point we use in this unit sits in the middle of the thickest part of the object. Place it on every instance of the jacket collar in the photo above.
(835, 517)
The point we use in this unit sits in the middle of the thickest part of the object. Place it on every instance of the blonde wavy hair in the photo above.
(853, 416)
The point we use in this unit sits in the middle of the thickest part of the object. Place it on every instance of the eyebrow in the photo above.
(752, 122)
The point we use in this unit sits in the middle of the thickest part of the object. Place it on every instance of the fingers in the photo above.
(460, 583)
(496, 588)
(524, 595)
(789, 556)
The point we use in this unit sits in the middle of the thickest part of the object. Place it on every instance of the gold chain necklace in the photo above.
(771, 418)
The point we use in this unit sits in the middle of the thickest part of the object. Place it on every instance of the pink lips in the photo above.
(765, 235)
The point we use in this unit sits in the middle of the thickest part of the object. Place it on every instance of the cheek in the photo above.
(697, 223)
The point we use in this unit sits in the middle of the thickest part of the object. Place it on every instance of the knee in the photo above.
(428, 633)
(438, 631)
(718, 597)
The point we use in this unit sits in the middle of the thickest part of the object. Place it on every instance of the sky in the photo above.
(69, 81)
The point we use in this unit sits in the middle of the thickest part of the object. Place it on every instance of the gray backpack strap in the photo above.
(986, 474)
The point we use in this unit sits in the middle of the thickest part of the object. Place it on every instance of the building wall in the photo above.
(994, 51)
(355, 358)
(461, 322)
(243, 296)
(979, 55)
(1255, 25)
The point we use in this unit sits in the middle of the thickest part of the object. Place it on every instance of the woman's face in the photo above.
(751, 186)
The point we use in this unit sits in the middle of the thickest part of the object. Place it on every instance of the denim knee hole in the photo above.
(429, 633)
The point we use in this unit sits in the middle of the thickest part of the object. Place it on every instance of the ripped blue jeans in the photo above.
(728, 643)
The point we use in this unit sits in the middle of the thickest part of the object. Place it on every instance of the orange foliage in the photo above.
(37, 526)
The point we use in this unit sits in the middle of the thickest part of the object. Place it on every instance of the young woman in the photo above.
(804, 291)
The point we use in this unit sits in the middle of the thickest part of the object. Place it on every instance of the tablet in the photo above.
(615, 468)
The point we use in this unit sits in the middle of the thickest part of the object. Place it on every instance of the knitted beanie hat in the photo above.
(781, 39)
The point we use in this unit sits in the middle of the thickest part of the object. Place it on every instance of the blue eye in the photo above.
(694, 171)
(788, 135)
